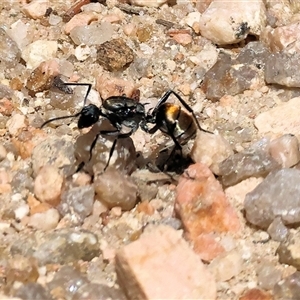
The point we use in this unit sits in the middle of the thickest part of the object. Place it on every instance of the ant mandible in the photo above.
(123, 111)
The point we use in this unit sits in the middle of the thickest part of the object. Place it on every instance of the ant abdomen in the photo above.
(171, 119)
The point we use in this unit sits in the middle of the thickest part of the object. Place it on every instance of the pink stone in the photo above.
(16, 123)
(203, 5)
(81, 19)
(182, 38)
(256, 294)
(206, 246)
(161, 265)
(110, 86)
(283, 38)
(202, 205)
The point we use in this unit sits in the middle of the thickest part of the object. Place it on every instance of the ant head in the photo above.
(88, 116)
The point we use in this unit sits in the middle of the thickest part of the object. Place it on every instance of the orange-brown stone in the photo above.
(202, 205)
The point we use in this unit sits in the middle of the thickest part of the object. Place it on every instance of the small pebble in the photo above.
(202, 205)
(226, 265)
(192, 17)
(114, 55)
(270, 199)
(279, 38)
(41, 78)
(65, 246)
(285, 150)
(36, 9)
(91, 291)
(55, 151)
(115, 189)
(109, 86)
(48, 185)
(256, 294)
(39, 51)
(82, 52)
(233, 76)
(182, 38)
(281, 68)
(19, 33)
(207, 247)
(280, 120)
(6, 107)
(82, 179)
(210, 149)
(249, 163)
(9, 51)
(148, 3)
(15, 124)
(33, 291)
(235, 21)
(6, 93)
(54, 20)
(176, 271)
(5, 177)
(277, 230)
(3, 152)
(77, 201)
(21, 211)
(288, 288)
(22, 269)
(80, 20)
(93, 34)
(144, 32)
(45, 220)
(5, 188)
(267, 275)
(70, 278)
(288, 250)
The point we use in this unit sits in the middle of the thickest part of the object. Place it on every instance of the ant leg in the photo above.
(108, 133)
(162, 100)
(118, 135)
(112, 149)
(88, 85)
(80, 166)
(93, 145)
(177, 145)
(153, 129)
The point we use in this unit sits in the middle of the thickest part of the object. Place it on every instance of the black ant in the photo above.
(123, 111)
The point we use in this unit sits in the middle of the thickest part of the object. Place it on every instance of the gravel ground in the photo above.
(153, 50)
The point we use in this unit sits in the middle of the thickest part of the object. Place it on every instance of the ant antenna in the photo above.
(89, 87)
(60, 118)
